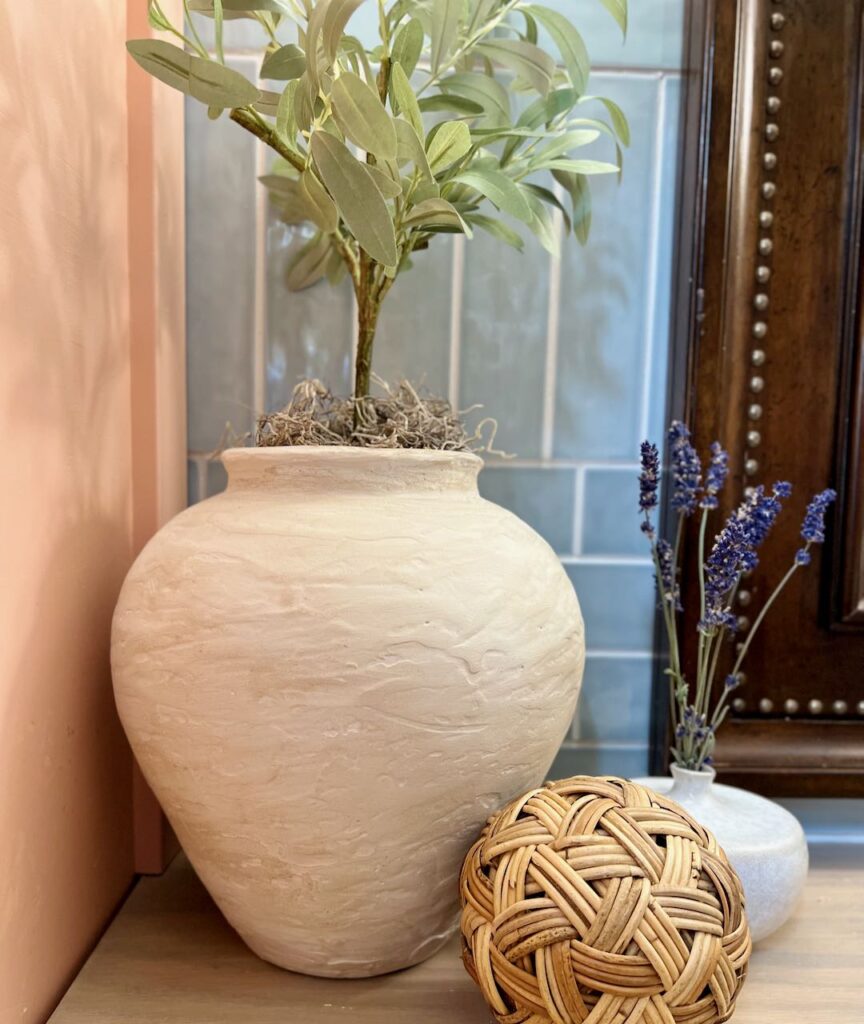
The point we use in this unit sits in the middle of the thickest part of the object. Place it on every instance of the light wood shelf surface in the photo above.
(170, 958)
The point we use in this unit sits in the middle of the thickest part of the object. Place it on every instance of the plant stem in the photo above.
(368, 306)
(248, 118)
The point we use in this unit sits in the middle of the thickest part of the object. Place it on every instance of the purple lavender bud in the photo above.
(731, 682)
(813, 527)
(707, 761)
(802, 556)
(783, 489)
(679, 731)
(715, 477)
(686, 469)
(668, 584)
(649, 476)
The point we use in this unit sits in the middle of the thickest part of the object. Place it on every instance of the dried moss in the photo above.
(400, 418)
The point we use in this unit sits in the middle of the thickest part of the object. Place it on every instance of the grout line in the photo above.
(563, 464)
(634, 745)
(456, 280)
(610, 560)
(552, 321)
(355, 337)
(259, 351)
(653, 265)
(603, 652)
(578, 509)
(200, 476)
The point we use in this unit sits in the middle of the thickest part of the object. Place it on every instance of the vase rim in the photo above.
(298, 468)
(332, 451)
(692, 773)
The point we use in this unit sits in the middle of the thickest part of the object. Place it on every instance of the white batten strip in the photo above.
(601, 652)
(200, 475)
(553, 316)
(562, 464)
(610, 560)
(578, 509)
(456, 281)
(653, 263)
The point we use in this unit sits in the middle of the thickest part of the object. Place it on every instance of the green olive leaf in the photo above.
(360, 114)
(407, 46)
(322, 209)
(403, 98)
(282, 65)
(358, 198)
(450, 142)
(498, 189)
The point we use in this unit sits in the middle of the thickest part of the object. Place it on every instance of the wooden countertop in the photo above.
(170, 958)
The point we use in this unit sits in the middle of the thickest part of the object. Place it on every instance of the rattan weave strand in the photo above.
(597, 900)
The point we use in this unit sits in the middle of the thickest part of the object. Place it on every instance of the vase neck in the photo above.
(340, 468)
(690, 784)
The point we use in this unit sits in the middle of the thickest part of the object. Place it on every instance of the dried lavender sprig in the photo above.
(649, 478)
(686, 469)
(715, 476)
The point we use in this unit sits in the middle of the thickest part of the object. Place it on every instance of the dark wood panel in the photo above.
(773, 368)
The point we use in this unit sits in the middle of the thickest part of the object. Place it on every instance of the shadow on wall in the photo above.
(65, 820)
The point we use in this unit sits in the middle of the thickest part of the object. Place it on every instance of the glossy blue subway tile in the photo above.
(309, 333)
(617, 605)
(544, 498)
(413, 337)
(603, 331)
(625, 761)
(615, 703)
(220, 274)
(610, 513)
(505, 301)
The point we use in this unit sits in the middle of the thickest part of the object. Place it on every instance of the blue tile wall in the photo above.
(610, 517)
(617, 604)
(615, 704)
(572, 404)
(543, 497)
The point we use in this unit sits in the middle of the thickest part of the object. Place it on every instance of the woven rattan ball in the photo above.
(597, 900)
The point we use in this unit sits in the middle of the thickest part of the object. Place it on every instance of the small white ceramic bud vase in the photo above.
(763, 841)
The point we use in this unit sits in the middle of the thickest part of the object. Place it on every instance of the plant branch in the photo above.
(248, 118)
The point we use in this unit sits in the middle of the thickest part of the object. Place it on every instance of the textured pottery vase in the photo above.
(763, 841)
(331, 675)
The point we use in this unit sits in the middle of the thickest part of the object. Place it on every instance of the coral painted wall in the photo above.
(71, 509)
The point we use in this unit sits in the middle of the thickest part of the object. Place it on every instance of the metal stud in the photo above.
(757, 357)
(769, 189)
(839, 707)
(766, 705)
(766, 246)
(749, 491)
(790, 706)
(769, 161)
(760, 301)
(775, 48)
(775, 75)
(755, 412)
(754, 439)
(814, 706)
(859, 707)
(739, 647)
(757, 384)
(744, 597)
(766, 219)
(739, 704)
(773, 104)
(751, 468)
(777, 21)
(760, 328)
(772, 132)
(763, 274)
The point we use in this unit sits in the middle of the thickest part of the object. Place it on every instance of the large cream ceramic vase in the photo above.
(331, 675)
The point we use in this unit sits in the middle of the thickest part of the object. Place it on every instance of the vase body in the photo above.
(763, 841)
(331, 674)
